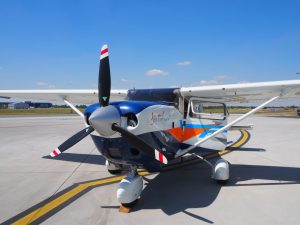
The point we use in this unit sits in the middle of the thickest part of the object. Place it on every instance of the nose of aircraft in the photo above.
(103, 118)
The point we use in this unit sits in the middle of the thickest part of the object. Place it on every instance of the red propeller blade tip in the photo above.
(55, 152)
(104, 52)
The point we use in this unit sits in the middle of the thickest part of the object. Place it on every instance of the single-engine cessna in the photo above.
(150, 128)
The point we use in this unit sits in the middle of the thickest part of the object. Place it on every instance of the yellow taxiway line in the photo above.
(29, 218)
(45, 209)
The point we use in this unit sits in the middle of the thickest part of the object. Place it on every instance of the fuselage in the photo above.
(161, 125)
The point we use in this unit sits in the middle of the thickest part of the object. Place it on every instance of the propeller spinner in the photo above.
(106, 119)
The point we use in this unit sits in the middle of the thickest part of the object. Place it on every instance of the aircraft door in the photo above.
(204, 117)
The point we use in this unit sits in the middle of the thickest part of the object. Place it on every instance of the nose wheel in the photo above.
(129, 190)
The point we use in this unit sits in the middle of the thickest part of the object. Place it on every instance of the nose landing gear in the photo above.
(129, 190)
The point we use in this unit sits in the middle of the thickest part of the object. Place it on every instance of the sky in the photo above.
(55, 44)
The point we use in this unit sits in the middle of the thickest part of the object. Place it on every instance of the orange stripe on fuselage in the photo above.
(187, 134)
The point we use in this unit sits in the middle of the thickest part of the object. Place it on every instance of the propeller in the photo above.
(104, 83)
(72, 141)
(140, 144)
(106, 120)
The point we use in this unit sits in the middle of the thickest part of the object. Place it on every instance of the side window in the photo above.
(207, 110)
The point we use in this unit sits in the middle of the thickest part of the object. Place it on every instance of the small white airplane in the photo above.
(151, 128)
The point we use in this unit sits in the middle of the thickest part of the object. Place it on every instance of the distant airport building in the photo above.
(39, 104)
(18, 105)
(4, 105)
(43, 105)
(25, 105)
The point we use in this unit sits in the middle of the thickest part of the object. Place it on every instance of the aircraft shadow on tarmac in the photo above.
(250, 149)
(100, 160)
(191, 187)
(79, 157)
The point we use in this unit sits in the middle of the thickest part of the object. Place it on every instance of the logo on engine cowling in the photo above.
(159, 117)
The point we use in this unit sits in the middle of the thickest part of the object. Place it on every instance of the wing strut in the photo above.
(76, 110)
(184, 151)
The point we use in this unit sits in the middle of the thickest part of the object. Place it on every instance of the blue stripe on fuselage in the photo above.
(201, 126)
(206, 132)
(212, 128)
(126, 107)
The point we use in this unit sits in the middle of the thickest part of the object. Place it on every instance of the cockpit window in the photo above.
(207, 110)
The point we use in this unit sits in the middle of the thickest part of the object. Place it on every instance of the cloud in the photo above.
(223, 77)
(216, 80)
(52, 86)
(209, 82)
(184, 63)
(156, 73)
(126, 81)
(43, 84)
(243, 82)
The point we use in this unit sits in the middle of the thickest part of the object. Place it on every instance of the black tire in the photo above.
(222, 182)
(114, 172)
(131, 204)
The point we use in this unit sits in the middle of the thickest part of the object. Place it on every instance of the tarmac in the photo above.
(77, 189)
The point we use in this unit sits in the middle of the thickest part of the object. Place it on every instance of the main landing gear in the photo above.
(220, 170)
(129, 190)
(131, 187)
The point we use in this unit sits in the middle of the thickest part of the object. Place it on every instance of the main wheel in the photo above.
(221, 171)
(130, 204)
(114, 172)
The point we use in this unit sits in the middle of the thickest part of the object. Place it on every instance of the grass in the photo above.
(283, 111)
(47, 111)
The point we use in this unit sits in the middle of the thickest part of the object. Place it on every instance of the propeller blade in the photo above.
(140, 144)
(104, 84)
(72, 141)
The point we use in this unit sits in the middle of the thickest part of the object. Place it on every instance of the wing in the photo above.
(287, 90)
(75, 96)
